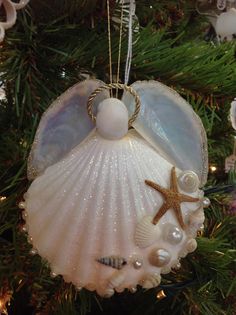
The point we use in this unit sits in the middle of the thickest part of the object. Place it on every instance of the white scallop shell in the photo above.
(88, 205)
(146, 232)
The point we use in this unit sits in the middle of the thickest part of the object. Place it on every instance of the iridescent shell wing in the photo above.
(170, 124)
(63, 126)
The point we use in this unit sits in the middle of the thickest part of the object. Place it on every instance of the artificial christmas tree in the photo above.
(51, 47)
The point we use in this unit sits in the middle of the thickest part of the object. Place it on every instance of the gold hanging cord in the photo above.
(109, 39)
(117, 85)
(110, 46)
(110, 87)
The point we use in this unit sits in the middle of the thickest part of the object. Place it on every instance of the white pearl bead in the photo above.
(112, 119)
(21, 205)
(30, 239)
(53, 274)
(24, 215)
(159, 257)
(206, 202)
(33, 251)
(188, 181)
(24, 229)
(172, 234)
(137, 263)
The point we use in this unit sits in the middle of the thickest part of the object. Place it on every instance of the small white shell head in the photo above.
(188, 181)
(112, 119)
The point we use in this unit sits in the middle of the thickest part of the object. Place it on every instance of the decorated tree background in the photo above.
(52, 46)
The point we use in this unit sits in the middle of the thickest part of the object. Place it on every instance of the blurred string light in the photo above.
(2, 198)
(161, 295)
(213, 168)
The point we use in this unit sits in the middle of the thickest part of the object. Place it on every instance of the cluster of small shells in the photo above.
(147, 233)
(146, 236)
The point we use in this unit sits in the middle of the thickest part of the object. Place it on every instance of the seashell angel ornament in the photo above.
(10, 9)
(110, 206)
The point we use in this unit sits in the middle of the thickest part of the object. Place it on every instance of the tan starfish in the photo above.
(172, 197)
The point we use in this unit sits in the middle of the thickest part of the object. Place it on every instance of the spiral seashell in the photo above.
(108, 293)
(116, 280)
(115, 262)
(195, 222)
(191, 245)
(188, 181)
(146, 232)
(151, 281)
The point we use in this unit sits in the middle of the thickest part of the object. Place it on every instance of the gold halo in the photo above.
(111, 86)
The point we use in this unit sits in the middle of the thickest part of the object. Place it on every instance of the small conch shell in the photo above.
(195, 221)
(146, 232)
(108, 293)
(151, 281)
(116, 280)
(116, 262)
(191, 245)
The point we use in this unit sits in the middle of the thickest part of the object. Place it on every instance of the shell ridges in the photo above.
(146, 232)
